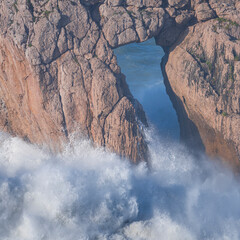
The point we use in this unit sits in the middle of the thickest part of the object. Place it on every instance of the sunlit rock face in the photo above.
(59, 74)
(204, 73)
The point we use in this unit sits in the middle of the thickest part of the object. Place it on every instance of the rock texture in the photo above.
(59, 74)
(204, 73)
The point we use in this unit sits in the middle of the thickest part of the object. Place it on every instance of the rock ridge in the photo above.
(59, 74)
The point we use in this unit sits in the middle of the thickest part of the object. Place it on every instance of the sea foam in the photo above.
(89, 193)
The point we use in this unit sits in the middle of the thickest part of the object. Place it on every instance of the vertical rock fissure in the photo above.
(65, 129)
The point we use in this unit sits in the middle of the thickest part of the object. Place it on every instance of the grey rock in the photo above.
(204, 12)
(184, 17)
(178, 3)
(144, 3)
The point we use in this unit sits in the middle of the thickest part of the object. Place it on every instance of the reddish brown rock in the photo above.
(59, 74)
(22, 103)
(203, 71)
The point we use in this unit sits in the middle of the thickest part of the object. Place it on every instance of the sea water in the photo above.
(141, 65)
(89, 193)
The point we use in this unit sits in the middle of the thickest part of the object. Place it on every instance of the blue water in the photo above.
(140, 62)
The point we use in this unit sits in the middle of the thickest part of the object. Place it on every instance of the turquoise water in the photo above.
(140, 62)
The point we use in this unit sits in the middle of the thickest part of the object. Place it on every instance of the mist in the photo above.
(88, 193)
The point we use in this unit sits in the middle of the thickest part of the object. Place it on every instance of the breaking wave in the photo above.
(88, 193)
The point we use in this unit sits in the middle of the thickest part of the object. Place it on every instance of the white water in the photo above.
(86, 193)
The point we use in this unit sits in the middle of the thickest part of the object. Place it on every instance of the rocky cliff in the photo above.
(203, 69)
(59, 74)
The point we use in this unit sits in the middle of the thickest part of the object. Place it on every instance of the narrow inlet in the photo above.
(140, 62)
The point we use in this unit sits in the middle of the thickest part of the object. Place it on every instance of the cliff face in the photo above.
(203, 70)
(59, 74)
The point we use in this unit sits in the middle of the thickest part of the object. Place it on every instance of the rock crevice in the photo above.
(59, 73)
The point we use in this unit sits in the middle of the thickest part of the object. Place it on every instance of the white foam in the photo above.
(87, 193)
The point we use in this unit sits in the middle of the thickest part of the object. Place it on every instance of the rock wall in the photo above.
(203, 69)
(59, 74)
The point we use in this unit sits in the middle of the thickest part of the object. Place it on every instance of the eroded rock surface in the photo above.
(59, 74)
(204, 71)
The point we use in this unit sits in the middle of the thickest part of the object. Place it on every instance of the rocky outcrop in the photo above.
(203, 70)
(59, 74)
